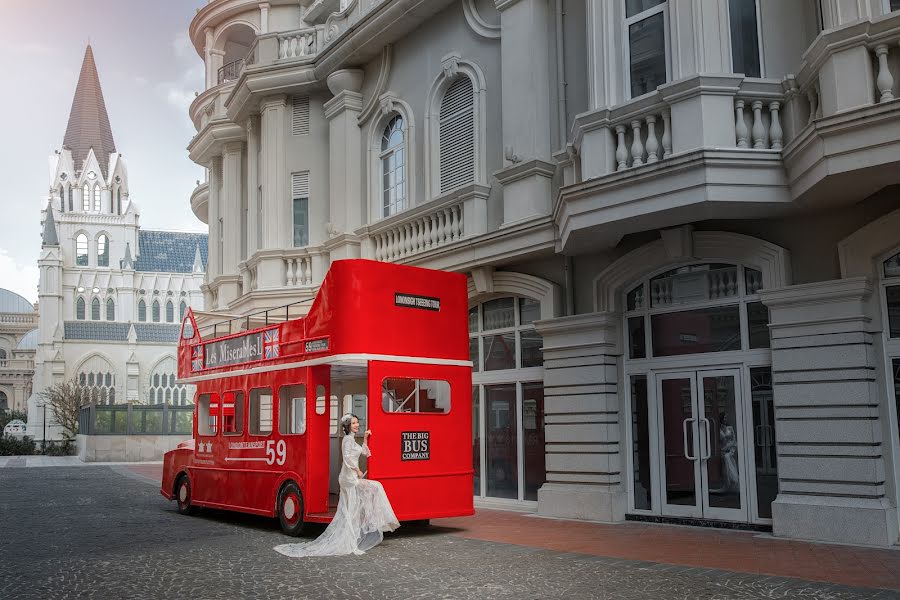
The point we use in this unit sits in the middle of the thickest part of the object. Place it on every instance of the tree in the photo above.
(65, 400)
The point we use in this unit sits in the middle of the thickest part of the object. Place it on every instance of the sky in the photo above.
(149, 72)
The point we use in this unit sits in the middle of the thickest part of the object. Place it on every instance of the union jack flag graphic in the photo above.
(270, 344)
(197, 358)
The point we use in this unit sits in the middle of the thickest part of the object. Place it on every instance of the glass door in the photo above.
(701, 443)
(679, 447)
(722, 445)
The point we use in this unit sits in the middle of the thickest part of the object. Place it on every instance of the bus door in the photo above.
(421, 419)
(349, 390)
(317, 439)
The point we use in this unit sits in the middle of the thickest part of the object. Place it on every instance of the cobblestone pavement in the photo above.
(105, 532)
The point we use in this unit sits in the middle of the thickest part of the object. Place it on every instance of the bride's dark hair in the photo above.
(346, 426)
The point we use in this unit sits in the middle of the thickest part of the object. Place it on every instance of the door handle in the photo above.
(684, 426)
(705, 422)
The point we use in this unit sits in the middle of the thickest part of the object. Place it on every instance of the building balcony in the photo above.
(200, 201)
(210, 105)
(701, 148)
(847, 94)
(230, 72)
(728, 147)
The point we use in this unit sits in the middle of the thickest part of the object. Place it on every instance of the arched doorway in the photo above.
(4, 401)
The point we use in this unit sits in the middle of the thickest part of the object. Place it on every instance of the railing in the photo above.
(643, 140)
(16, 364)
(424, 232)
(298, 270)
(262, 318)
(296, 44)
(18, 318)
(131, 419)
(231, 71)
(760, 126)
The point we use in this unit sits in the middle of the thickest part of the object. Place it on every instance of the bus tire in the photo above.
(183, 495)
(290, 509)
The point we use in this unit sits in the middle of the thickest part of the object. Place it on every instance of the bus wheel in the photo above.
(183, 496)
(290, 509)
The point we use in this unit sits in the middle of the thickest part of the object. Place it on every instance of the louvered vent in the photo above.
(300, 115)
(457, 135)
(300, 185)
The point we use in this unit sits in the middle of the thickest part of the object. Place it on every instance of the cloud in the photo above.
(179, 97)
(21, 279)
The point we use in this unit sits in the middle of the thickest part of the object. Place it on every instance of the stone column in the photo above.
(585, 466)
(276, 201)
(214, 261)
(19, 399)
(525, 77)
(344, 151)
(207, 57)
(252, 184)
(826, 383)
(216, 62)
(264, 17)
(229, 285)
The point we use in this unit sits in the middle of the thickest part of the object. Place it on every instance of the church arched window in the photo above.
(81, 250)
(96, 198)
(86, 198)
(142, 311)
(2, 357)
(170, 312)
(163, 389)
(156, 311)
(182, 310)
(110, 310)
(79, 309)
(118, 201)
(95, 309)
(62, 199)
(98, 377)
(102, 250)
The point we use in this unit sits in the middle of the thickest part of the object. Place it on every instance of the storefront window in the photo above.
(502, 441)
(640, 443)
(533, 430)
(764, 439)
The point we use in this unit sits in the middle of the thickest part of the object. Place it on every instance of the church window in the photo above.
(110, 310)
(182, 310)
(97, 375)
(62, 199)
(79, 309)
(456, 134)
(81, 250)
(393, 167)
(119, 201)
(70, 199)
(95, 309)
(142, 311)
(163, 389)
(170, 312)
(86, 198)
(156, 311)
(2, 358)
(102, 251)
(96, 198)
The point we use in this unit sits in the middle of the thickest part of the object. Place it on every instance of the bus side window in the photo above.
(408, 395)
(261, 411)
(292, 409)
(233, 413)
(207, 414)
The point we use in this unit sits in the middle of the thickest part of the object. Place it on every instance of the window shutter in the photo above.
(457, 135)
(300, 115)
(300, 185)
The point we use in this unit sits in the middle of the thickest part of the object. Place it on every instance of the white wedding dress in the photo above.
(363, 513)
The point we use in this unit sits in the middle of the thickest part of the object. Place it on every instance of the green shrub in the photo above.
(60, 448)
(10, 446)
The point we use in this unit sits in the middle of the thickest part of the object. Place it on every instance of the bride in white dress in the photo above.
(363, 510)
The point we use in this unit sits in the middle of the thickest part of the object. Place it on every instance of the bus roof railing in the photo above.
(262, 318)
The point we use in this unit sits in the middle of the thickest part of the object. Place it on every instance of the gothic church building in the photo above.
(111, 295)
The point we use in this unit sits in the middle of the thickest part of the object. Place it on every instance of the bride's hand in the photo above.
(368, 433)
(359, 473)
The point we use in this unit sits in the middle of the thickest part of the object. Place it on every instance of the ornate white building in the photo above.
(111, 294)
(679, 217)
(18, 342)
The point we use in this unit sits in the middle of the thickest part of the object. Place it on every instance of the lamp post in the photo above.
(44, 423)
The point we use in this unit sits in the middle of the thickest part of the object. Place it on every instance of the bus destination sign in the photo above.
(413, 301)
(233, 351)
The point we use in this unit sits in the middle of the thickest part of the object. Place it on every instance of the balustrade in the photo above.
(764, 132)
(422, 232)
(297, 43)
(298, 271)
(650, 139)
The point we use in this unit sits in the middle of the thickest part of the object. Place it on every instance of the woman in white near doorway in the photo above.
(364, 512)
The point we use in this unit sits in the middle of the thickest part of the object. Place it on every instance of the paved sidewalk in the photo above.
(18, 462)
(737, 551)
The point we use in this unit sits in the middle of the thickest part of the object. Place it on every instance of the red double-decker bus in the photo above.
(386, 342)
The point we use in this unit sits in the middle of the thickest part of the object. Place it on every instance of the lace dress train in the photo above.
(363, 513)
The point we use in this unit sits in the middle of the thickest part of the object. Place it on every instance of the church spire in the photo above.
(88, 120)
(49, 236)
